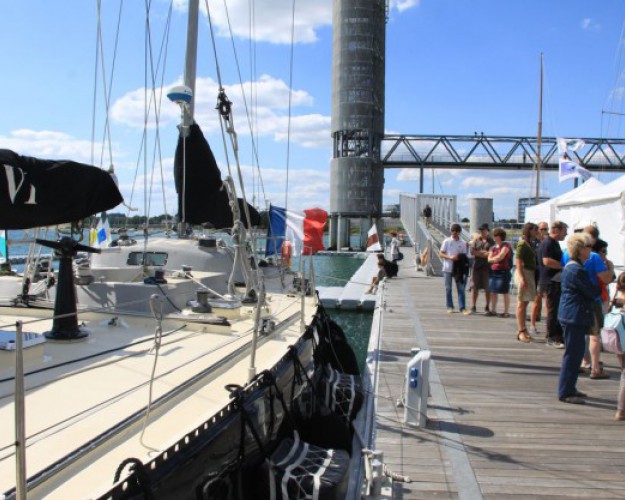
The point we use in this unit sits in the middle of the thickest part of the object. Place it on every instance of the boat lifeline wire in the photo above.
(156, 305)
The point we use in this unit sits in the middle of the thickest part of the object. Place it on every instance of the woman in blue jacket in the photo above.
(575, 314)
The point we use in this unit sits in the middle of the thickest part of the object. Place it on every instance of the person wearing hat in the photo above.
(481, 268)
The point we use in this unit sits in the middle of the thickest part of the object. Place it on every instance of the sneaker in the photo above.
(450, 310)
(473, 310)
(466, 312)
(555, 343)
(532, 331)
(574, 400)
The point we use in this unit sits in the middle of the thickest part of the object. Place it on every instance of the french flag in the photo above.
(303, 229)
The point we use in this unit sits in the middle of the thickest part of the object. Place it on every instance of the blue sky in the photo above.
(452, 67)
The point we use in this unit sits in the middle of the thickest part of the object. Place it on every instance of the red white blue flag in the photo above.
(304, 230)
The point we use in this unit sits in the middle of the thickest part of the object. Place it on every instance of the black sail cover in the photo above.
(35, 192)
(204, 198)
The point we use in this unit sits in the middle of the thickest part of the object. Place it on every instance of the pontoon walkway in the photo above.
(496, 429)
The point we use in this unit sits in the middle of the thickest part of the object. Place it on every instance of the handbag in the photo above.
(400, 256)
(613, 331)
(611, 341)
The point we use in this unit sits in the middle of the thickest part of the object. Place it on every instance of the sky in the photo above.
(452, 67)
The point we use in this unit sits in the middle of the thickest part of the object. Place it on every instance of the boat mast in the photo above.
(190, 64)
(539, 135)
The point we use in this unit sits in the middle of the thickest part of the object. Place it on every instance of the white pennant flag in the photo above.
(373, 240)
(565, 145)
(571, 170)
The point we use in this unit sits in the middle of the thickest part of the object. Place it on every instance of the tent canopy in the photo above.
(545, 211)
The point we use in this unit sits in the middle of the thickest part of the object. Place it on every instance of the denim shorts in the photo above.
(499, 281)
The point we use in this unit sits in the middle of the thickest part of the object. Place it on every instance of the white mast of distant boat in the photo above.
(539, 138)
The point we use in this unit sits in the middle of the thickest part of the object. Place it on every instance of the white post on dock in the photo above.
(20, 412)
(417, 389)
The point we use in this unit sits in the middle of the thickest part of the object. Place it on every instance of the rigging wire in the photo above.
(248, 114)
(107, 139)
(614, 92)
(288, 129)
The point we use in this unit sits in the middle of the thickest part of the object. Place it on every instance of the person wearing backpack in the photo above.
(451, 250)
(500, 260)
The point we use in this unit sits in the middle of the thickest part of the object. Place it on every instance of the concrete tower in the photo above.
(357, 177)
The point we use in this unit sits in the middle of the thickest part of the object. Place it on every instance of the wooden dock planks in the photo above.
(496, 429)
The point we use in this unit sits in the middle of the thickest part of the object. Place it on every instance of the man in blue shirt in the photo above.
(597, 270)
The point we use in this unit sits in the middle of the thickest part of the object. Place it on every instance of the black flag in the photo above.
(36, 192)
(205, 199)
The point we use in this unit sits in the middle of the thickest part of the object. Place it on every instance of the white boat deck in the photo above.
(89, 396)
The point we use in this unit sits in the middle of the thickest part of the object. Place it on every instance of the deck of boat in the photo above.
(78, 391)
(495, 427)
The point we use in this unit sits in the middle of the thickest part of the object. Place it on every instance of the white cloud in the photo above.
(487, 181)
(402, 5)
(270, 112)
(48, 144)
(589, 24)
(273, 20)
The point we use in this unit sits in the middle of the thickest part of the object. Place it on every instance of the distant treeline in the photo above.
(122, 220)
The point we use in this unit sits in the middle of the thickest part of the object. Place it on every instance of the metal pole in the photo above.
(257, 328)
(302, 322)
(539, 139)
(191, 59)
(20, 428)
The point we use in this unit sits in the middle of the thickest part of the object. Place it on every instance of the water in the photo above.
(336, 270)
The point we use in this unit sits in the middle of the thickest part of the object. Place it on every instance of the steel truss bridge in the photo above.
(482, 152)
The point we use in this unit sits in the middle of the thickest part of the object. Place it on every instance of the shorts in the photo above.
(480, 278)
(528, 294)
(499, 282)
(597, 309)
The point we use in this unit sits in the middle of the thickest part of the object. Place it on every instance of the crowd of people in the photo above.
(573, 284)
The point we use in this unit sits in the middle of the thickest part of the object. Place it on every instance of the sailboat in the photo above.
(172, 368)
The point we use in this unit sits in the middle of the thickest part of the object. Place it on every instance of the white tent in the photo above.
(603, 207)
(546, 211)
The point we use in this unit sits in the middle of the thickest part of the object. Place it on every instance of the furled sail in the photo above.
(35, 192)
(201, 195)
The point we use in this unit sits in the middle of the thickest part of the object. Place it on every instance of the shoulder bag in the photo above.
(613, 331)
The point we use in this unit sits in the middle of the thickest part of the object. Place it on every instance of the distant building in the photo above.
(527, 202)
(391, 210)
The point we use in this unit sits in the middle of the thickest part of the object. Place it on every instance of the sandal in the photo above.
(488, 313)
(599, 375)
(522, 336)
(504, 315)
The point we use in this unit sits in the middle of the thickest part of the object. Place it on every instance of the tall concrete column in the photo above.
(332, 243)
(343, 230)
(357, 176)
